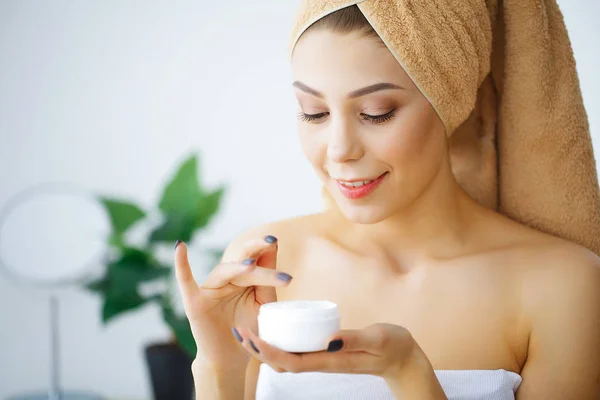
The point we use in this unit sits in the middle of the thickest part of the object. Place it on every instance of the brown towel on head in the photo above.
(501, 76)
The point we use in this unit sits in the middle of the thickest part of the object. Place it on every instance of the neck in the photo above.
(437, 224)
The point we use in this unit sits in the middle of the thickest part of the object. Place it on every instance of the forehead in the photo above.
(326, 59)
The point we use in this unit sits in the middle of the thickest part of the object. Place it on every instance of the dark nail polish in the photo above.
(254, 347)
(236, 334)
(177, 243)
(335, 345)
(249, 261)
(282, 276)
(270, 239)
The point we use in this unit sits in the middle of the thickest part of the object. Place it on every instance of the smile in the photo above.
(358, 188)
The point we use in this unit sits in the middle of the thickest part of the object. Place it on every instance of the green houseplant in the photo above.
(185, 208)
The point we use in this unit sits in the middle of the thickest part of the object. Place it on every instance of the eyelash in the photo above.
(375, 119)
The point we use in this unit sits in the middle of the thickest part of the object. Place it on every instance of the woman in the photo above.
(440, 296)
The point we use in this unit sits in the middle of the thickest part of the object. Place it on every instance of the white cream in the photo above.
(298, 326)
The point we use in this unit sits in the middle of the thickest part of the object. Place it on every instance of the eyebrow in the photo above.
(357, 93)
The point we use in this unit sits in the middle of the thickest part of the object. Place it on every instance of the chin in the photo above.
(363, 214)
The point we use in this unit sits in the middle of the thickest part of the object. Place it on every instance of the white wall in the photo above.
(110, 95)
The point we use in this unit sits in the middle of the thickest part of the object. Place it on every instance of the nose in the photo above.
(344, 143)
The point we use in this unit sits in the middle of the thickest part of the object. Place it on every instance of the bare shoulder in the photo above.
(538, 258)
(557, 278)
(545, 263)
(549, 263)
(547, 272)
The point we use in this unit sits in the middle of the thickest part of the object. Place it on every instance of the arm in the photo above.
(225, 385)
(563, 359)
(218, 385)
(227, 296)
(416, 380)
(251, 379)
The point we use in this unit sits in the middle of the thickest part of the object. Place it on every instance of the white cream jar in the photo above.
(298, 326)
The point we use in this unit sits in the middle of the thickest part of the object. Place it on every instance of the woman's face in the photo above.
(371, 136)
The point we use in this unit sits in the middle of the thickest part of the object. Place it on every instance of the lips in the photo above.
(356, 189)
(355, 184)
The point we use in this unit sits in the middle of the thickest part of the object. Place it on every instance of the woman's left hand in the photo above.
(380, 349)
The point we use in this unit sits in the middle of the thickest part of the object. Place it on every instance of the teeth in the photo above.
(355, 184)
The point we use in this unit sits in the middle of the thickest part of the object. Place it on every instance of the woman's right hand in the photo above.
(231, 296)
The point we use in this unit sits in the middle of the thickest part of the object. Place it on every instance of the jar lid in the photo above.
(300, 309)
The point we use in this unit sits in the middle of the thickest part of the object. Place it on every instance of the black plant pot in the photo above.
(170, 371)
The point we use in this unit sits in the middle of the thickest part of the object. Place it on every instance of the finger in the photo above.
(249, 342)
(281, 361)
(262, 276)
(268, 258)
(183, 272)
(243, 275)
(374, 339)
(223, 274)
(263, 250)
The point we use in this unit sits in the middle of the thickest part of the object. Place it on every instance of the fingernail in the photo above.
(282, 276)
(335, 345)
(237, 335)
(249, 261)
(178, 243)
(253, 346)
(270, 239)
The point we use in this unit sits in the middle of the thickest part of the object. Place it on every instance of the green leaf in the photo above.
(179, 226)
(182, 193)
(181, 328)
(115, 305)
(208, 207)
(121, 283)
(184, 336)
(186, 205)
(116, 240)
(122, 214)
(175, 227)
(140, 256)
(99, 286)
(127, 273)
(124, 279)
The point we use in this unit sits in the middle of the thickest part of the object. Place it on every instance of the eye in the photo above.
(379, 119)
(312, 117)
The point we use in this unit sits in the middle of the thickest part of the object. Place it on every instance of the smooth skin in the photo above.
(418, 269)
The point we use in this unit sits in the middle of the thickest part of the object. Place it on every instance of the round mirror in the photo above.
(51, 236)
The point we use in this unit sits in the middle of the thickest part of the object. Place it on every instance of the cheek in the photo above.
(313, 150)
(414, 144)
